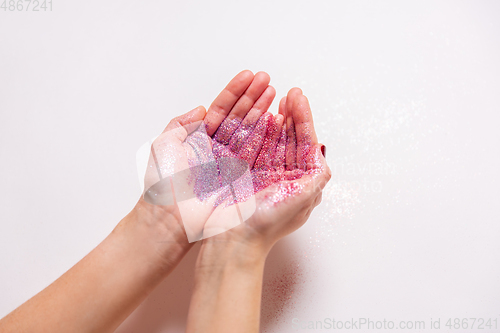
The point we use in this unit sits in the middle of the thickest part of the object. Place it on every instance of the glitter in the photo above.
(291, 145)
(226, 129)
(220, 151)
(268, 151)
(303, 146)
(243, 159)
(284, 191)
(280, 292)
(239, 137)
(281, 149)
(252, 145)
(263, 178)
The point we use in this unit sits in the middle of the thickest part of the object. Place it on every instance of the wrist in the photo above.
(154, 232)
(228, 272)
(217, 254)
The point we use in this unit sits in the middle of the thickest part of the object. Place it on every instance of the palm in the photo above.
(288, 170)
(177, 156)
(284, 169)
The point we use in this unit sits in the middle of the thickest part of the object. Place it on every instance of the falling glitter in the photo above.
(280, 293)
(340, 200)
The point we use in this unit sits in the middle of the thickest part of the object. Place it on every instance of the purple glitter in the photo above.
(264, 143)
(226, 129)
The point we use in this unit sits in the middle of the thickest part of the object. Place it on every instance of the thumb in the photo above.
(187, 123)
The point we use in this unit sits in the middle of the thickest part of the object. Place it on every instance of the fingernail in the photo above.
(323, 150)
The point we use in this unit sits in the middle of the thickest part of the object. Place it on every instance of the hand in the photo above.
(289, 174)
(184, 171)
(176, 154)
(238, 122)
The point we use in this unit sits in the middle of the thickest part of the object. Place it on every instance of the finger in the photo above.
(260, 107)
(302, 192)
(268, 152)
(318, 173)
(240, 135)
(279, 162)
(252, 146)
(290, 98)
(225, 101)
(291, 145)
(244, 104)
(264, 172)
(282, 107)
(312, 181)
(304, 129)
(248, 99)
(180, 127)
(241, 129)
(188, 118)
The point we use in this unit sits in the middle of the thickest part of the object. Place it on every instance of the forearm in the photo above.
(228, 286)
(101, 290)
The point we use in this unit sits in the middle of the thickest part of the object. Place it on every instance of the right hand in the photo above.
(288, 179)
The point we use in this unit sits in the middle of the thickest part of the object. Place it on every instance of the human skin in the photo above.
(179, 150)
(101, 290)
(229, 267)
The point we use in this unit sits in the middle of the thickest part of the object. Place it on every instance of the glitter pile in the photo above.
(268, 153)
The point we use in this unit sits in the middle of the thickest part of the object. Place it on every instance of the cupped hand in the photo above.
(286, 170)
(196, 166)
(289, 171)
(175, 155)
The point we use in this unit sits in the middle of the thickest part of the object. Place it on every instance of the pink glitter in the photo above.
(268, 151)
(226, 129)
(281, 149)
(291, 145)
(265, 146)
(280, 292)
(285, 191)
(252, 146)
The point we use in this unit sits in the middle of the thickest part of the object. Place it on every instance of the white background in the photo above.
(405, 96)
